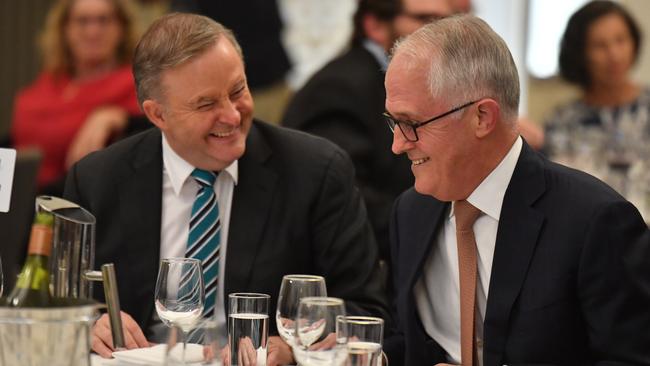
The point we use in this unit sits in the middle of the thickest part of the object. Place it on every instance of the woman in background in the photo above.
(606, 131)
(83, 97)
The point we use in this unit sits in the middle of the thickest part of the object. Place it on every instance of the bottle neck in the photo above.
(40, 240)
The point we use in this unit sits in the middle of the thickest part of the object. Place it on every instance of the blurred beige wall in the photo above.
(544, 95)
(20, 22)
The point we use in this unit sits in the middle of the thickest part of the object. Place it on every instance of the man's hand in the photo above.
(102, 338)
(247, 355)
(279, 352)
(96, 131)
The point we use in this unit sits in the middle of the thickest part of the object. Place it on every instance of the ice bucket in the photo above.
(73, 247)
(53, 336)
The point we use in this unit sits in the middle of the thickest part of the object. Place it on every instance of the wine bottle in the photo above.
(33, 285)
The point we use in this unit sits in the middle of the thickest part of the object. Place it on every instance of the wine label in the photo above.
(40, 240)
(7, 164)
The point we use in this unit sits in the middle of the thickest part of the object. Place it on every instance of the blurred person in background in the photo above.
(85, 93)
(344, 102)
(606, 130)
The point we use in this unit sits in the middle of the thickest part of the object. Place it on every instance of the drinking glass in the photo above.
(248, 329)
(365, 335)
(321, 332)
(293, 288)
(180, 294)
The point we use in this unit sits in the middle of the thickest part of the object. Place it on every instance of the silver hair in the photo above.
(467, 60)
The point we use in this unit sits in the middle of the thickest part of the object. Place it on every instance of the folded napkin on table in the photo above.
(156, 355)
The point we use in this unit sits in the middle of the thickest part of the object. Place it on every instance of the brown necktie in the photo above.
(466, 215)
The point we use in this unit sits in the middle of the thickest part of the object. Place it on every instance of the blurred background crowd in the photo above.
(67, 88)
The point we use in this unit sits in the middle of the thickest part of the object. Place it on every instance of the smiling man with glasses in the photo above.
(499, 255)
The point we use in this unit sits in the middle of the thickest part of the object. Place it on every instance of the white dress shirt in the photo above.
(437, 292)
(179, 190)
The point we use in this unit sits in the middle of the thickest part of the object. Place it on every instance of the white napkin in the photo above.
(156, 355)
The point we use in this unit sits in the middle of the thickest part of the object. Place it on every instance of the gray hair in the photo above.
(467, 59)
(171, 41)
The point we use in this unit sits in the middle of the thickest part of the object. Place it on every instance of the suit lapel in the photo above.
(430, 217)
(519, 228)
(140, 202)
(251, 207)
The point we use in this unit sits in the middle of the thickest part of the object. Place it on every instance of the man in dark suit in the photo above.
(344, 102)
(500, 256)
(286, 200)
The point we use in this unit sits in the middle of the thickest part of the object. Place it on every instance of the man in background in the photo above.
(344, 102)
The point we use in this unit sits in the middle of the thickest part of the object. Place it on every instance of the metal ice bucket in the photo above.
(55, 336)
(73, 247)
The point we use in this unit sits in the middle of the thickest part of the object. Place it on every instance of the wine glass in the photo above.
(180, 294)
(321, 332)
(295, 287)
(365, 337)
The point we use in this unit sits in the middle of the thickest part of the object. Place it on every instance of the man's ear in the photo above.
(154, 111)
(377, 30)
(489, 113)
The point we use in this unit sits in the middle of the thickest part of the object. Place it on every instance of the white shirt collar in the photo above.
(488, 196)
(179, 170)
(377, 52)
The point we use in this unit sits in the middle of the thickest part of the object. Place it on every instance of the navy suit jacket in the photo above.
(570, 282)
(295, 209)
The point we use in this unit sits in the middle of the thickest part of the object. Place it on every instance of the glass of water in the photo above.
(295, 287)
(248, 329)
(365, 335)
(321, 332)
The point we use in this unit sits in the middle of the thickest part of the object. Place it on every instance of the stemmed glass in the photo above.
(321, 332)
(295, 287)
(180, 294)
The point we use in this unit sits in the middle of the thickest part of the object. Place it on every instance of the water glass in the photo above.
(365, 335)
(248, 329)
(321, 332)
(293, 288)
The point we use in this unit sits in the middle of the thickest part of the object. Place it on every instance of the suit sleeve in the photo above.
(614, 286)
(347, 252)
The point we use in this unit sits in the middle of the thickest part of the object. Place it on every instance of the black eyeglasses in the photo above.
(409, 128)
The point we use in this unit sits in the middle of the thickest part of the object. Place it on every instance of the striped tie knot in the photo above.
(204, 177)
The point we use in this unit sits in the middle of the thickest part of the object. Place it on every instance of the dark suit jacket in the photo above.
(344, 102)
(570, 280)
(295, 210)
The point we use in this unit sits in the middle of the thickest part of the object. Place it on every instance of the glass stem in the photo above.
(184, 335)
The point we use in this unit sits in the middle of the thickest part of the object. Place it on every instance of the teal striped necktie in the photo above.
(205, 235)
